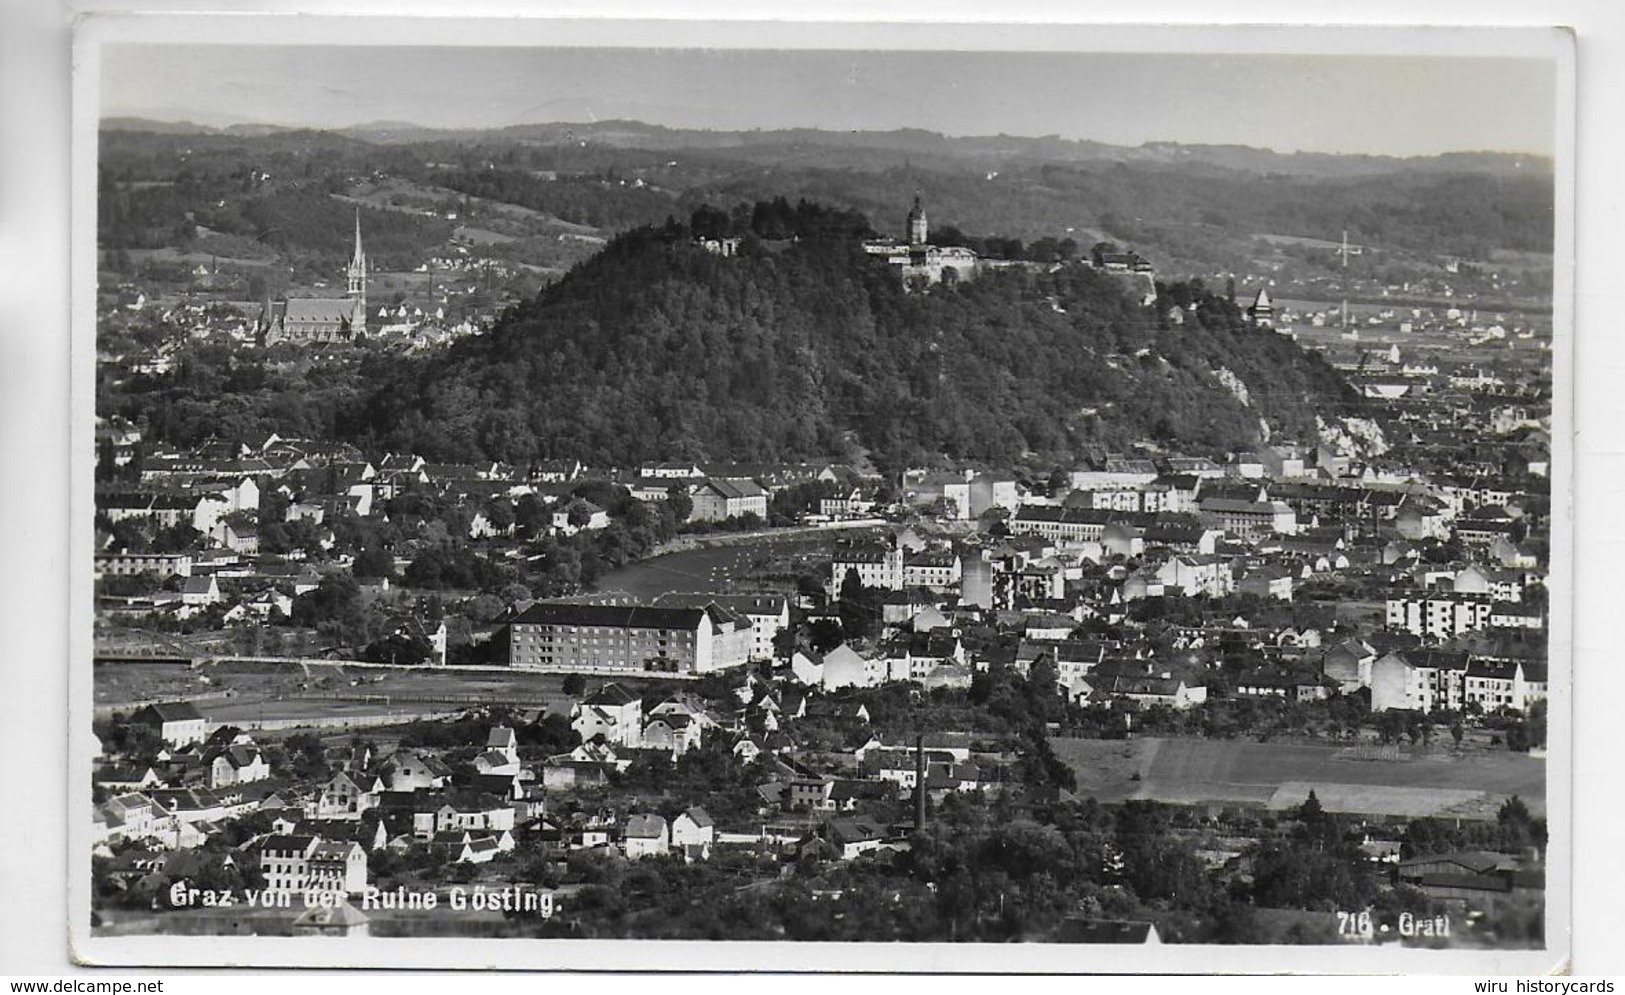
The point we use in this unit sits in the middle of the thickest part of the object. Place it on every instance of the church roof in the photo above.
(318, 309)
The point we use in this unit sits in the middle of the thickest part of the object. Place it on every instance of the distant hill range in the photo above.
(1189, 208)
(796, 142)
(191, 128)
(914, 141)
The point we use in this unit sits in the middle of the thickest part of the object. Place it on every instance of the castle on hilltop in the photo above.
(321, 320)
(917, 260)
(916, 257)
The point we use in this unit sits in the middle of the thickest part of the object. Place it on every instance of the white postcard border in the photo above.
(282, 28)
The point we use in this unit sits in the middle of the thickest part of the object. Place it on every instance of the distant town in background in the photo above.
(596, 530)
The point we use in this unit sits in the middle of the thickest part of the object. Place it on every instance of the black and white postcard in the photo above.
(672, 495)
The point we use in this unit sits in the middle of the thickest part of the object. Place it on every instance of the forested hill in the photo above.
(657, 349)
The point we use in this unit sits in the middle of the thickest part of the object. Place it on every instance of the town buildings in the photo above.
(1162, 590)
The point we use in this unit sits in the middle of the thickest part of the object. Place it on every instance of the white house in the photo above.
(237, 764)
(176, 722)
(346, 795)
(415, 770)
(693, 833)
(501, 753)
(807, 667)
(843, 667)
(673, 732)
(646, 835)
(612, 712)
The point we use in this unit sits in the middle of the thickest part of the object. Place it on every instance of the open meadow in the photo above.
(1275, 776)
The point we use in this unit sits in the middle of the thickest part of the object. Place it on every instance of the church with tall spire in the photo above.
(322, 320)
(357, 274)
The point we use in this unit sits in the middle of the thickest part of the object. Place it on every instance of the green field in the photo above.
(1471, 784)
(134, 683)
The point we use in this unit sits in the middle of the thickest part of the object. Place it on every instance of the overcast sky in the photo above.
(1394, 105)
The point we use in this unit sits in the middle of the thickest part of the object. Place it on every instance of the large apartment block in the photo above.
(1425, 680)
(935, 569)
(1065, 524)
(1250, 519)
(303, 863)
(768, 614)
(607, 638)
(877, 566)
(125, 564)
(1438, 616)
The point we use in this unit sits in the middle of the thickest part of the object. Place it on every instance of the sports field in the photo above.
(240, 691)
(1439, 782)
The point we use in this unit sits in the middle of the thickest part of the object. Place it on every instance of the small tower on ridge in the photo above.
(1262, 311)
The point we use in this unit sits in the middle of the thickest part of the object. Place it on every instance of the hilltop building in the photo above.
(916, 257)
(1131, 267)
(320, 320)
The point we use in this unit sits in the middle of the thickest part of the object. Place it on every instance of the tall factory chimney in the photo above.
(919, 782)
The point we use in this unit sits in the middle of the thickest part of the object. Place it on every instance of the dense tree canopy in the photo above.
(659, 349)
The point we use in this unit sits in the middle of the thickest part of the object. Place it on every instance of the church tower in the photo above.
(916, 224)
(357, 291)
